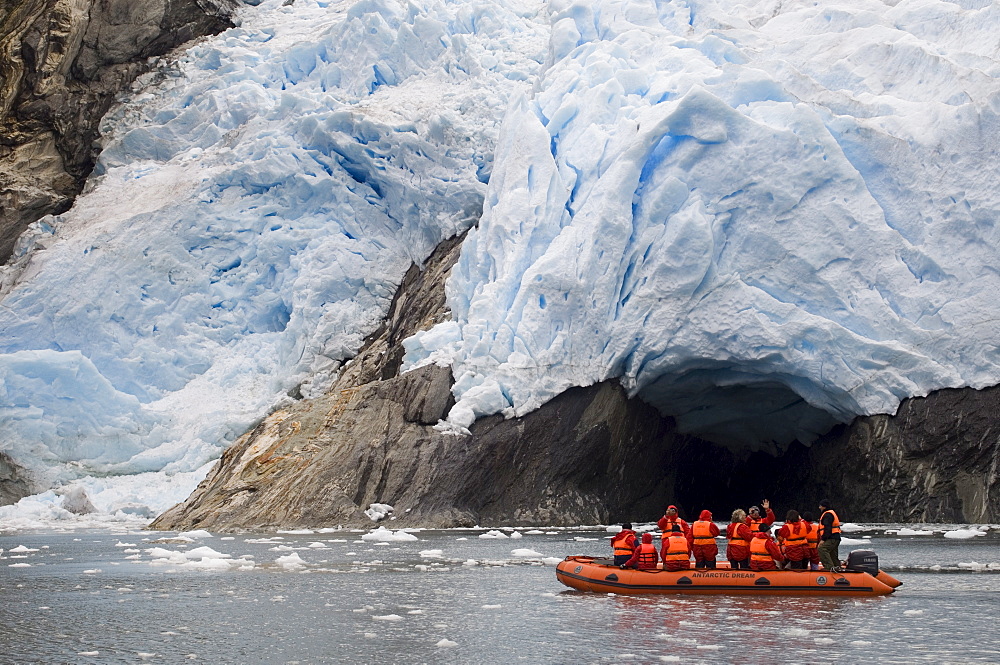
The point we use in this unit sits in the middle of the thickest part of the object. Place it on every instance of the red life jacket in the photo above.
(647, 556)
(702, 532)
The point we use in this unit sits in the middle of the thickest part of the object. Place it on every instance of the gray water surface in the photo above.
(82, 599)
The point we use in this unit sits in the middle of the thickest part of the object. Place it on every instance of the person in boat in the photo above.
(669, 519)
(738, 537)
(794, 538)
(764, 552)
(812, 539)
(644, 557)
(703, 546)
(755, 517)
(676, 549)
(829, 537)
(623, 544)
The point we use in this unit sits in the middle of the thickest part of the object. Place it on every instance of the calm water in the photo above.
(83, 600)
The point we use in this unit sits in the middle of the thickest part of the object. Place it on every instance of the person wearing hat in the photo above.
(764, 552)
(755, 517)
(644, 557)
(703, 545)
(624, 543)
(829, 537)
(669, 519)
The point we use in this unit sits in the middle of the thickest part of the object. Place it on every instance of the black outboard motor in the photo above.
(863, 561)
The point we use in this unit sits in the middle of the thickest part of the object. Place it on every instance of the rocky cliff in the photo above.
(62, 62)
(592, 455)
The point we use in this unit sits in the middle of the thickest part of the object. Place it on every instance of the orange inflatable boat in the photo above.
(587, 573)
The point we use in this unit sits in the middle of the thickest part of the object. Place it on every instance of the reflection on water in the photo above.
(99, 598)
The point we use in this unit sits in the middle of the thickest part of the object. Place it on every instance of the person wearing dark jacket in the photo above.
(623, 544)
(764, 552)
(703, 545)
(829, 537)
(644, 557)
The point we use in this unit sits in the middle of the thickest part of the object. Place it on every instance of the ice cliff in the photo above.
(763, 219)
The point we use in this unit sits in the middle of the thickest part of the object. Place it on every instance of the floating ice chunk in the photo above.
(21, 549)
(614, 528)
(551, 561)
(491, 607)
(494, 534)
(318, 546)
(849, 527)
(913, 532)
(297, 532)
(22, 565)
(823, 640)
(534, 532)
(446, 643)
(198, 533)
(388, 617)
(963, 534)
(526, 553)
(91, 571)
(856, 541)
(431, 554)
(384, 535)
(290, 561)
(913, 612)
(516, 534)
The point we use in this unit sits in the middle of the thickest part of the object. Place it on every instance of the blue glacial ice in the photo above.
(255, 207)
(763, 218)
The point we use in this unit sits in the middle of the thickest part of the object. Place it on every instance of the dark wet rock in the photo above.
(62, 62)
(14, 484)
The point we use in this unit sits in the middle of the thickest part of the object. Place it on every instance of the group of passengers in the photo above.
(800, 544)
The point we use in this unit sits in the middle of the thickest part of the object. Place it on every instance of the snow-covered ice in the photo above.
(383, 535)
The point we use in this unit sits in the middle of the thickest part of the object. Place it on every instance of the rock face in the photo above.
(13, 485)
(61, 64)
(371, 440)
(591, 455)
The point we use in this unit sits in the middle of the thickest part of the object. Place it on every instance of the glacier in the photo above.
(763, 219)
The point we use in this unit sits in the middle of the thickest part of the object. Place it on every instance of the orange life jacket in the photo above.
(670, 529)
(758, 550)
(835, 527)
(702, 532)
(677, 548)
(797, 535)
(812, 535)
(647, 555)
(735, 538)
(620, 546)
